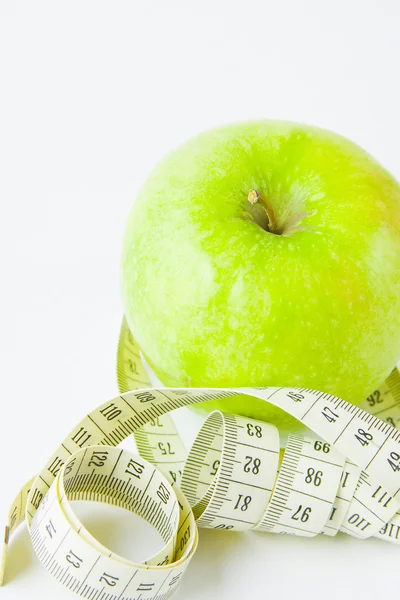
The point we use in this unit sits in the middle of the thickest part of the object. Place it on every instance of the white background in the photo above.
(92, 94)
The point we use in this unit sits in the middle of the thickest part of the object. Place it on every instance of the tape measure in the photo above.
(342, 475)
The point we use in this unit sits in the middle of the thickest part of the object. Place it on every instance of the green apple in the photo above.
(266, 254)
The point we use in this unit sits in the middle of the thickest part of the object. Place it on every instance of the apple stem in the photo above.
(256, 200)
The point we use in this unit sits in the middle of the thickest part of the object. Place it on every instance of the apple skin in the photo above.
(213, 299)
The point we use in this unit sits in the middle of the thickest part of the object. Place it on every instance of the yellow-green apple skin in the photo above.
(215, 299)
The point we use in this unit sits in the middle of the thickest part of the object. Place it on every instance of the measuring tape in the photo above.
(345, 476)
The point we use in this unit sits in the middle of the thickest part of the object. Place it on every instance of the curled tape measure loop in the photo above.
(115, 476)
(343, 477)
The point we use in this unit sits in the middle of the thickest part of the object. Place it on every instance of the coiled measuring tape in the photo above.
(345, 476)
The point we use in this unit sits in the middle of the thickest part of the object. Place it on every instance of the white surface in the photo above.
(92, 94)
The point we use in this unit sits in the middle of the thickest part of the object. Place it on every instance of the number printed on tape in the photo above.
(343, 475)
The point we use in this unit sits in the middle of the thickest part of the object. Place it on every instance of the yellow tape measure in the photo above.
(345, 476)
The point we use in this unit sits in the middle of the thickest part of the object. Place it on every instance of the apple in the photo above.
(266, 254)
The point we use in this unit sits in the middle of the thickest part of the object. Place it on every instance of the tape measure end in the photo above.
(3, 558)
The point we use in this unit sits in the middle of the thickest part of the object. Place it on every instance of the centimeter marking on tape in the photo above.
(345, 476)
